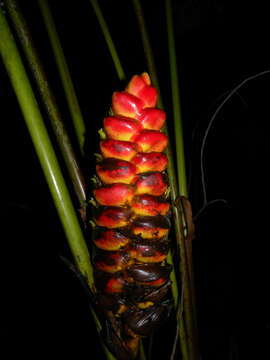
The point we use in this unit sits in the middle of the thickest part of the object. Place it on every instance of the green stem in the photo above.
(178, 129)
(61, 63)
(142, 353)
(185, 333)
(179, 315)
(46, 94)
(108, 40)
(25, 96)
(147, 49)
(181, 171)
(44, 149)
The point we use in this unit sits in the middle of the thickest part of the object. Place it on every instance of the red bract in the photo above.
(153, 161)
(110, 240)
(117, 149)
(151, 227)
(118, 194)
(113, 171)
(127, 105)
(149, 96)
(149, 205)
(152, 183)
(113, 262)
(121, 128)
(152, 119)
(112, 217)
(151, 141)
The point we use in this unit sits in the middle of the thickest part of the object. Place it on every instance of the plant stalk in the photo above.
(25, 96)
(147, 48)
(108, 39)
(47, 96)
(179, 143)
(44, 149)
(62, 66)
(181, 171)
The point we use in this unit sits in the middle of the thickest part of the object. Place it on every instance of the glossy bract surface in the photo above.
(132, 217)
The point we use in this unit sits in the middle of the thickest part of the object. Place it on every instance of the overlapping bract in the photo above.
(132, 218)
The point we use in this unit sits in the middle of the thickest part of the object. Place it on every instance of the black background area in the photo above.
(219, 44)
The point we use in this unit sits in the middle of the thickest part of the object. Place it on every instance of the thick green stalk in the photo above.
(25, 96)
(108, 39)
(47, 96)
(61, 63)
(44, 149)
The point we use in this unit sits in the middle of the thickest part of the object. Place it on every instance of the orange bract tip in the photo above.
(136, 84)
(145, 76)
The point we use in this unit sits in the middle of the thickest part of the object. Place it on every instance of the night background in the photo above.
(219, 44)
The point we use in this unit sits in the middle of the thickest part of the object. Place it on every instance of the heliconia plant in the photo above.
(132, 219)
(130, 274)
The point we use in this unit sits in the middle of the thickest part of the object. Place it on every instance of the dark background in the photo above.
(219, 44)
